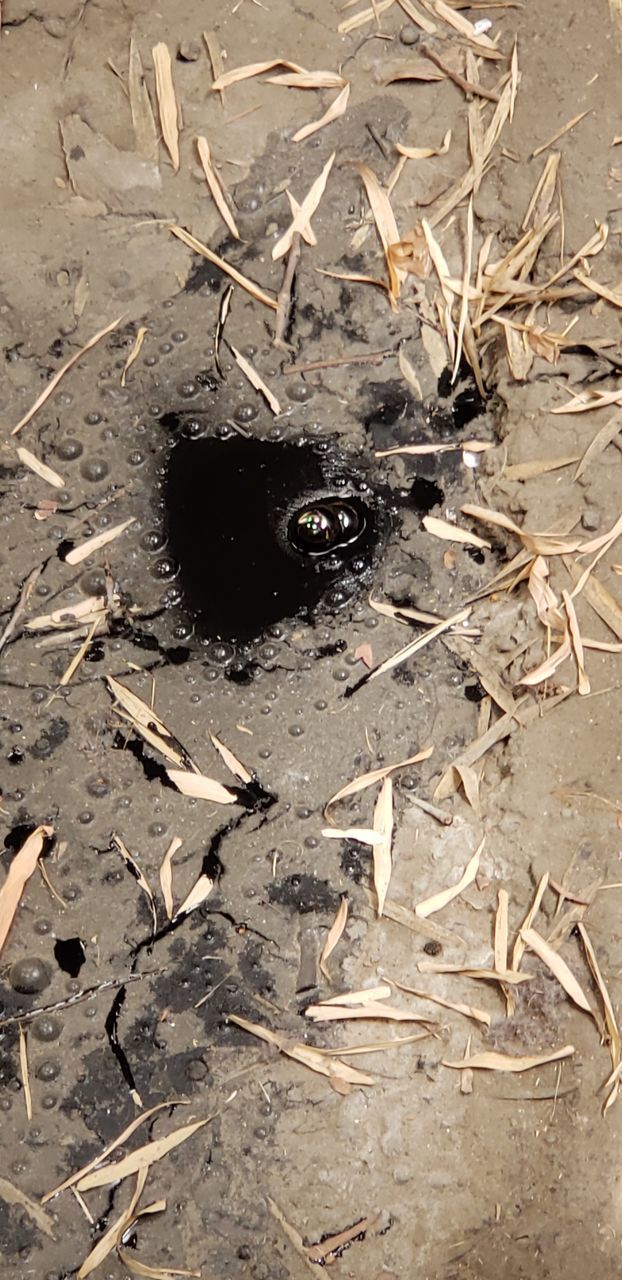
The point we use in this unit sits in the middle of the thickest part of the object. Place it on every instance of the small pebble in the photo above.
(591, 519)
(409, 34)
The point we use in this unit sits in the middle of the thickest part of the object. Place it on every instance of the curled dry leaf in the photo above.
(243, 281)
(546, 669)
(167, 101)
(337, 108)
(200, 787)
(255, 380)
(386, 225)
(200, 890)
(383, 824)
(411, 255)
(215, 186)
(369, 779)
(309, 80)
(253, 69)
(482, 975)
(424, 153)
(20, 870)
(306, 210)
(60, 619)
(508, 1062)
(557, 966)
(440, 900)
(142, 1158)
(146, 723)
(452, 532)
(115, 1232)
(334, 934)
(310, 1057)
(584, 686)
(137, 347)
(96, 542)
(139, 876)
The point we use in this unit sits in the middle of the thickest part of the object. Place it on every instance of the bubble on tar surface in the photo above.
(29, 976)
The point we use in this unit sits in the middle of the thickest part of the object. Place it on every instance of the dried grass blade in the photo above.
(14, 1196)
(559, 134)
(200, 890)
(308, 1056)
(507, 1062)
(546, 669)
(538, 467)
(215, 186)
(600, 600)
(424, 153)
(115, 1232)
(216, 59)
(167, 101)
(142, 1158)
(557, 966)
(337, 108)
(139, 876)
(601, 440)
(255, 380)
(51, 386)
(253, 69)
(334, 934)
(377, 1046)
(584, 686)
(409, 650)
(112, 1146)
(501, 930)
(386, 225)
(309, 80)
(481, 975)
(290, 1231)
(364, 835)
(235, 766)
(25, 1073)
(306, 210)
(481, 41)
(464, 305)
(380, 992)
(166, 875)
(418, 18)
(373, 1009)
(30, 460)
(410, 377)
(365, 780)
(451, 532)
(236, 275)
(613, 1031)
(383, 824)
(135, 352)
(136, 1268)
(601, 290)
(469, 1010)
(442, 899)
(95, 543)
(199, 787)
(147, 722)
(442, 271)
(143, 122)
(20, 870)
(366, 15)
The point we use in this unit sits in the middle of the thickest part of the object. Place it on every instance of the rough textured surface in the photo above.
(521, 1174)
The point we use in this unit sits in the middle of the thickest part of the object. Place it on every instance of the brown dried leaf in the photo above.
(452, 532)
(142, 1158)
(424, 153)
(601, 440)
(200, 890)
(255, 380)
(615, 1040)
(147, 723)
(334, 934)
(538, 467)
(115, 1232)
(337, 108)
(308, 1056)
(380, 992)
(167, 102)
(14, 1196)
(469, 1010)
(20, 870)
(215, 186)
(369, 779)
(501, 931)
(24, 1071)
(236, 275)
(414, 646)
(583, 686)
(112, 1146)
(508, 1062)
(482, 975)
(50, 387)
(416, 69)
(309, 80)
(411, 254)
(96, 542)
(364, 835)
(386, 225)
(143, 122)
(135, 352)
(166, 875)
(442, 899)
(373, 1009)
(558, 967)
(546, 669)
(601, 290)
(200, 787)
(306, 210)
(383, 824)
(236, 767)
(29, 460)
(366, 15)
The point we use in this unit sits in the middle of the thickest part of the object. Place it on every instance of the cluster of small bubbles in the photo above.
(164, 569)
(69, 450)
(29, 976)
(183, 631)
(94, 469)
(63, 398)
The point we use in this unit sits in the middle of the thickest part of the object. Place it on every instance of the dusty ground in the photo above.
(521, 1174)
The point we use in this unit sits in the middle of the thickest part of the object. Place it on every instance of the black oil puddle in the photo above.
(262, 532)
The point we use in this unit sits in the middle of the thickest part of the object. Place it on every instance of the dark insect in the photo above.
(325, 527)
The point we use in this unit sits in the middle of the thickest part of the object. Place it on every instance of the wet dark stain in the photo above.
(304, 893)
(354, 860)
(70, 955)
(52, 737)
(230, 507)
(388, 404)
